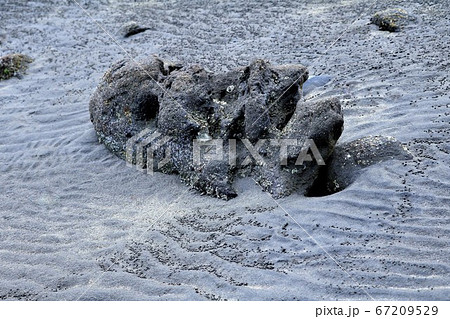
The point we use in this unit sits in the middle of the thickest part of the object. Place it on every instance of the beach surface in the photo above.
(76, 223)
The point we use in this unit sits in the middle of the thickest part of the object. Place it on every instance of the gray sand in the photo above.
(77, 223)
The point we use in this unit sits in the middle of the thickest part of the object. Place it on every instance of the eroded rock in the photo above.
(156, 108)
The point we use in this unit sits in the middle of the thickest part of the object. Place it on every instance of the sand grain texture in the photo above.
(77, 223)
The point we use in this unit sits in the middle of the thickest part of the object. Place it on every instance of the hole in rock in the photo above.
(323, 186)
(148, 108)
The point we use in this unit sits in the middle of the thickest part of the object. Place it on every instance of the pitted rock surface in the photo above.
(163, 107)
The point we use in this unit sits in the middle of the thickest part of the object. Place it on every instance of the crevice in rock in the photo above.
(320, 187)
(148, 109)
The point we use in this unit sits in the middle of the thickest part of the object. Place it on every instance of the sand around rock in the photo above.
(80, 223)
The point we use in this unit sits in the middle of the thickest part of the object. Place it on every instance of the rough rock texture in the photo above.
(320, 121)
(392, 20)
(349, 159)
(126, 101)
(13, 65)
(166, 106)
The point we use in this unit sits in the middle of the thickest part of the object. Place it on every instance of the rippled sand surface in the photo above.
(77, 223)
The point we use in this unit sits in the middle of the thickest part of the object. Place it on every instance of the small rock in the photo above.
(349, 159)
(131, 28)
(13, 65)
(392, 20)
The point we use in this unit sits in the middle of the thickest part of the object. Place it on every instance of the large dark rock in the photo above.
(157, 107)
